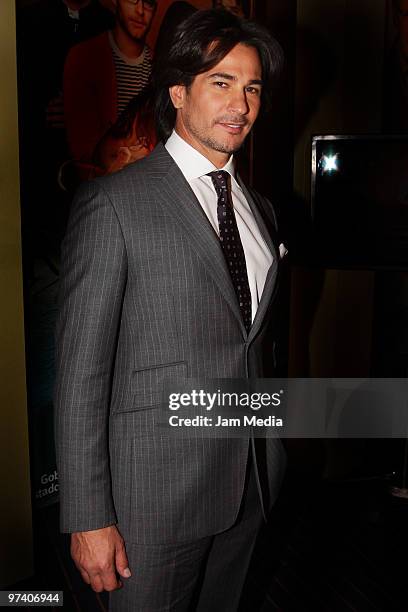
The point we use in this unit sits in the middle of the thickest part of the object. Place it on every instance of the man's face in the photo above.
(216, 113)
(135, 16)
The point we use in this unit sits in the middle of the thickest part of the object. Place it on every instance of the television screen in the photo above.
(360, 201)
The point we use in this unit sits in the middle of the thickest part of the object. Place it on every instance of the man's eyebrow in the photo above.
(230, 77)
(222, 75)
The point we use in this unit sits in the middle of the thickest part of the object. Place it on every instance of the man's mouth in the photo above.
(232, 127)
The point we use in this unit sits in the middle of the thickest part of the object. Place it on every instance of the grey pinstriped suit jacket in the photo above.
(146, 296)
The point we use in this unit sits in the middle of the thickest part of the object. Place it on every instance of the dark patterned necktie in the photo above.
(231, 243)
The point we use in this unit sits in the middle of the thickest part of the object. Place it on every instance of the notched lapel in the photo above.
(179, 200)
(177, 197)
(269, 236)
(268, 233)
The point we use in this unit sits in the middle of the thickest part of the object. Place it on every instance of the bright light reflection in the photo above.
(329, 163)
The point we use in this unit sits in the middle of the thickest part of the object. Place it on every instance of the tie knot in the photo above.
(219, 179)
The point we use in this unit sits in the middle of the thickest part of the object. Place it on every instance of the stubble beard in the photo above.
(208, 141)
(221, 147)
(137, 39)
(121, 21)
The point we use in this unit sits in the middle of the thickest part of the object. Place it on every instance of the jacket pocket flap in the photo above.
(149, 386)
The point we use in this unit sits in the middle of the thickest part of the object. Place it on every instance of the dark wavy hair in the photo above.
(197, 45)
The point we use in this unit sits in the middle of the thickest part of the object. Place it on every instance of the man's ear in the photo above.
(177, 94)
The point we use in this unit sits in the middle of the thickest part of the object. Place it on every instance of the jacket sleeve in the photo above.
(93, 278)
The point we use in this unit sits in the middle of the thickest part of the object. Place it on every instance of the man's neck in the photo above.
(217, 158)
(128, 46)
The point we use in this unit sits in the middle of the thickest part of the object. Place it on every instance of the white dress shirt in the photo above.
(195, 167)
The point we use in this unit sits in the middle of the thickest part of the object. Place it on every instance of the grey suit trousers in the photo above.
(206, 575)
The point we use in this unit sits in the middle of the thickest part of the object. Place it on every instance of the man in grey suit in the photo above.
(169, 272)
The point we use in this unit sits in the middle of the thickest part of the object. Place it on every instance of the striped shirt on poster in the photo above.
(132, 75)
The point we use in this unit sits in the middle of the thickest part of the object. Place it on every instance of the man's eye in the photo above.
(221, 83)
(254, 90)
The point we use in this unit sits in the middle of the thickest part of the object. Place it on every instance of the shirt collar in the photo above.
(190, 161)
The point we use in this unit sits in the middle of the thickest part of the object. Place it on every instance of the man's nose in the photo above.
(238, 102)
(139, 7)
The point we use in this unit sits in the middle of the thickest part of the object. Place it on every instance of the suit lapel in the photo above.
(269, 236)
(178, 198)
